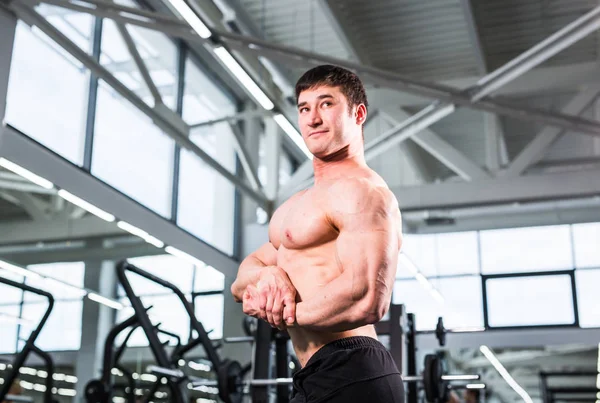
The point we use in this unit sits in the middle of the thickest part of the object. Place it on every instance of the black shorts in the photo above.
(353, 369)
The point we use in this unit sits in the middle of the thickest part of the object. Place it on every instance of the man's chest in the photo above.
(302, 222)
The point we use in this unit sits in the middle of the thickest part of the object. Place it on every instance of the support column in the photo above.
(232, 311)
(272, 151)
(8, 24)
(597, 117)
(96, 322)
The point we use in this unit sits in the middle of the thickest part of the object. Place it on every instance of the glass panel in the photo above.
(10, 295)
(529, 301)
(586, 239)
(167, 267)
(461, 308)
(71, 273)
(418, 301)
(457, 253)
(588, 298)
(54, 92)
(208, 279)
(203, 100)
(62, 331)
(159, 55)
(526, 249)
(209, 311)
(8, 328)
(420, 250)
(131, 153)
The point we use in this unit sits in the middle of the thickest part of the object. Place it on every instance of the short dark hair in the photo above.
(334, 76)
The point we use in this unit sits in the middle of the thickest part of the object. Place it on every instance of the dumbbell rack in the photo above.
(30, 347)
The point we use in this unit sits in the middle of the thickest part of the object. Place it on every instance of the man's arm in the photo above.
(367, 250)
(251, 267)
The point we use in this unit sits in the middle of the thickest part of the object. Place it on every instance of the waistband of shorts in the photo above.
(347, 343)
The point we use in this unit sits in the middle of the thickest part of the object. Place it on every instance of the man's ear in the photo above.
(361, 114)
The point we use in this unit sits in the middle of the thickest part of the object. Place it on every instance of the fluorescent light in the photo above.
(243, 77)
(424, 282)
(437, 295)
(185, 256)
(190, 16)
(38, 180)
(105, 301)
(292, 133)
(19, 270)
(485, 350)
(86, 206)
(476, 386)
(598, 395)
(141, 233)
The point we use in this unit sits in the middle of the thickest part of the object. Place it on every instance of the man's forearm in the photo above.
(249, 273)
(335, 308)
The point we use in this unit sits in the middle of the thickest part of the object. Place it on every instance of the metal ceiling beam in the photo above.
(233, 118)
(8, 24)
(471, 26)
(139, 62)
(96, 252)
(518, 338)
(296, 57)
(535, 150)
(541, 52)
(409, 148)
(440, 149)
(159, 116)
(32, 156)
(54, 230)
(500, 190)
(341, 27)
(401, 83)
(36, 208)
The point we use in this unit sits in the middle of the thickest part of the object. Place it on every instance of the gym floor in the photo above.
(163, 133)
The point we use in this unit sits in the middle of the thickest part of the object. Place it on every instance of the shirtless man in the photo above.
(326, 275)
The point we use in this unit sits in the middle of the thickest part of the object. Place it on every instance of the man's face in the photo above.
(325, 122)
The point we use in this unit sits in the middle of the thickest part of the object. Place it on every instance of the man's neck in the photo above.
(337, 164)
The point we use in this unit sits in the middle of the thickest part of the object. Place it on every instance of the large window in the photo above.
(530, 300)
(533, 276)
(206, 199)
(48, 101)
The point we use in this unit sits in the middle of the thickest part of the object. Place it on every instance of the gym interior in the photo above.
(145, 144)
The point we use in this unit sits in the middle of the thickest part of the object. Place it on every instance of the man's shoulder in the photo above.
(357, 193)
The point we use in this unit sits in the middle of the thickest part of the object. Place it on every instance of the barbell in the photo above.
(231, 385)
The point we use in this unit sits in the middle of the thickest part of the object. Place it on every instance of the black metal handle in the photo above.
(136, 302)
(29, 345)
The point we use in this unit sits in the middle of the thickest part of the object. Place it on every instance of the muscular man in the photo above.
(327, 273)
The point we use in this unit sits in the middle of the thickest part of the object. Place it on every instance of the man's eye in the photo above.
(303, 109)
(326, 103)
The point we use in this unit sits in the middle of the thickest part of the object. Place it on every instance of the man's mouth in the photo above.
(315, 133)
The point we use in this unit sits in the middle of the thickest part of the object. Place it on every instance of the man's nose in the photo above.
(315, 118)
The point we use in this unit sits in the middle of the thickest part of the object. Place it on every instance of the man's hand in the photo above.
(273, 299)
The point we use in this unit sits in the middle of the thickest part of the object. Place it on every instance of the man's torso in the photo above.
(305, 240)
